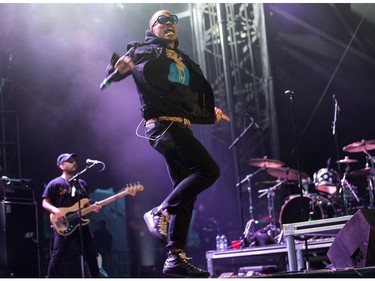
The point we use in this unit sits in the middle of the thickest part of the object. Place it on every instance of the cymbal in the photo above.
(347, 160)
(286, 173)
(274, 182)
(360, 146)
(262, 183)
(269, 182)
(265, 163)
(363, 172)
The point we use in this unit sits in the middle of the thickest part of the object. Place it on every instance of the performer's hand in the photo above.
(60, 215)
(220, 115)
(97, 208)
(124, 64)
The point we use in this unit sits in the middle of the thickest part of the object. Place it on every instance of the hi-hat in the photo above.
(363, 172)
(360, 146)
(347, 160)
(286, 173)
(265, 163)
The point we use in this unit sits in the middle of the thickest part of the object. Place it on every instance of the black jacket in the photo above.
(158, 95)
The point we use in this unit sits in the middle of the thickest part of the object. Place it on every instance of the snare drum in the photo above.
(315, 207)
(326, 181)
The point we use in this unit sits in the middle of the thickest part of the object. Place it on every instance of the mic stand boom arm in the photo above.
(81, 172)
(241, 135)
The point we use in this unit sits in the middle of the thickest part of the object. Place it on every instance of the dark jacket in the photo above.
(158, 95)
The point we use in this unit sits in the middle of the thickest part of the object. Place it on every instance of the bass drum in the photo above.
(316, 207)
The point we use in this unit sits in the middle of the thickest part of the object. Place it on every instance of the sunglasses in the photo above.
(164, 19)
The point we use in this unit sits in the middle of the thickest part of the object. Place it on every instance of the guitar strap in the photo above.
(81, 189)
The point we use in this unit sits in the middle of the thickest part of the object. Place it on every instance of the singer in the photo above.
(62, 193)
(174, 94)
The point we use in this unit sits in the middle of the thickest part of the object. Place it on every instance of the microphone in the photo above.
(109, 79)
(94, 162)
(289, 92)
(336, 104)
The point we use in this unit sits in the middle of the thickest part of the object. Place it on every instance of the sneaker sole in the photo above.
(186, 275)
(147, 217)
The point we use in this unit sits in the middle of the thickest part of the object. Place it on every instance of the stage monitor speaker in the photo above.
(354, 245)
(19, 254)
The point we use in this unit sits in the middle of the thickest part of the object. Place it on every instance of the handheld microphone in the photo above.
(109, 79)
(90, 161)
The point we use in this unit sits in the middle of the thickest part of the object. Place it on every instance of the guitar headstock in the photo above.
(132, 189)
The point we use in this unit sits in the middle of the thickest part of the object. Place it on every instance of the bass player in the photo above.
(63, 192)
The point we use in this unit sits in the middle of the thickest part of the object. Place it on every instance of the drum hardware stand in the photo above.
(371, 191)
(346, 184)
(271, 207)
(370, 178)
(250, 224)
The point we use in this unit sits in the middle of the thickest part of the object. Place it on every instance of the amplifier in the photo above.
(16, 190)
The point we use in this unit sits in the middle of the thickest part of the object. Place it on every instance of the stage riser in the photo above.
(219, 262)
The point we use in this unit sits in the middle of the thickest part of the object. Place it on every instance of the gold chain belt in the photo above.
(185, 121)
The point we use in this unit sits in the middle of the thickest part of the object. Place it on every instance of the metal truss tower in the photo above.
(231, 45)
(9, 126)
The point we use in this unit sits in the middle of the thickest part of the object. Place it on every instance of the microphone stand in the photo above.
(340, 187)
(77, 186)
(291, 93)
(300, 186)
(248, 179)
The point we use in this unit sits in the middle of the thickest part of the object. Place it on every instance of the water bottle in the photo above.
(223, 242)
(218, 242)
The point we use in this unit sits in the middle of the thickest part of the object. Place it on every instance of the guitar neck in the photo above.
(104, 202)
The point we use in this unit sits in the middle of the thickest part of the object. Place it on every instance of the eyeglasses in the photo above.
(164, 19)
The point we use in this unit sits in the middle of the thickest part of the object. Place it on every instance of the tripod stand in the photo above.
(262, 163)
(271, 228)
(249, 229)
(364, 146)
(346, 185)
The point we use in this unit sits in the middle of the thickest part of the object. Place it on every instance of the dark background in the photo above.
(60, 52)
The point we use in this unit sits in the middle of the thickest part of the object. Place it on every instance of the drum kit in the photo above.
(327, 196)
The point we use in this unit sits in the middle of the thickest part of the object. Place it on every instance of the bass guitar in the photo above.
(72, 214)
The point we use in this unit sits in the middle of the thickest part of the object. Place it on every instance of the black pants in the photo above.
(191, 169)
(60, 247)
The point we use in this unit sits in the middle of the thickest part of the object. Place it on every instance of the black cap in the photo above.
(64, 157)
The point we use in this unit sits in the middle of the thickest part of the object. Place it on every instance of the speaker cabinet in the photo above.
(354, 245)
(19, 255)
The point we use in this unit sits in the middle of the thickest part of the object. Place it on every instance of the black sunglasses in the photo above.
(164, 19)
